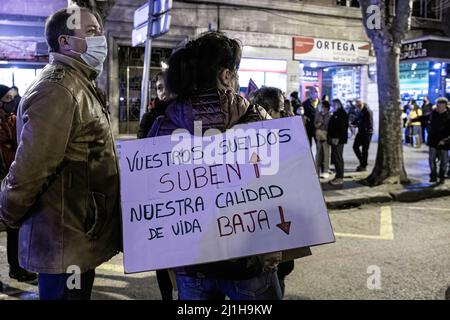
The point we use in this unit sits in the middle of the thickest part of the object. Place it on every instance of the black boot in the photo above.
(23, 275)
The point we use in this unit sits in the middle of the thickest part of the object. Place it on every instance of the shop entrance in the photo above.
(333, 81)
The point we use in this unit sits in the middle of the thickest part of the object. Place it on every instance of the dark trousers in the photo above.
(435, 155)
(164, 283)
(284, 269)
(55, 286)
(311, 133)
(361, 147)
(425, 131)
(12, 249)
(338, 160)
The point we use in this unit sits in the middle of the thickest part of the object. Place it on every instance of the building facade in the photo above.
(290, 44)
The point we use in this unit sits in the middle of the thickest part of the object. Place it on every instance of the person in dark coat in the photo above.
(427, 108)
(438, 139)
(296, 104)
(337, 137)
(8, 147)
(310, 106)
(157, 107)
(361, 145)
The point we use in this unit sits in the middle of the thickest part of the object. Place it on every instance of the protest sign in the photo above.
(191, 199)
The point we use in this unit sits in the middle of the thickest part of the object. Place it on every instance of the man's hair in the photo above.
(56, 26)
(326, 104)
(338, 102)
(442, 100)
(268, 98)
(294, 94)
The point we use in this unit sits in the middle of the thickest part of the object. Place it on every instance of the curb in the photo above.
(417, 194)
(350, 202)
(404, 195)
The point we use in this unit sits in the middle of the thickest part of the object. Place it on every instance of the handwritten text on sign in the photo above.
(197, 200)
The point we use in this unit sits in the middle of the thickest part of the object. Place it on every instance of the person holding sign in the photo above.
(203, 75)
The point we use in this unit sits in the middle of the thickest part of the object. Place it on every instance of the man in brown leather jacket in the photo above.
(62, 190)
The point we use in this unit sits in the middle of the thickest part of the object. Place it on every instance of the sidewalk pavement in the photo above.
(353, 193)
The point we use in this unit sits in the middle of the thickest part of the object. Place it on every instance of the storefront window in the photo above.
(336, 82)
(6, 76)
(414, 80)
(348, 3)
(427, 9)
(21, 77)
(264, 72)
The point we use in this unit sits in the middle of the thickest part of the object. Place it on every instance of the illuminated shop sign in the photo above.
(425, 49)
(317, 49)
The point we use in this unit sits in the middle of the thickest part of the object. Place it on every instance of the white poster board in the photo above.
(261, 194)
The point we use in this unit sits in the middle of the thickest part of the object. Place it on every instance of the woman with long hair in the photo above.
(203, 75)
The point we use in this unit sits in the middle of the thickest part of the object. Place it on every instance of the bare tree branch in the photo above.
(402, 20)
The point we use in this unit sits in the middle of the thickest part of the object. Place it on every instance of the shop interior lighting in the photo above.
(437, 66)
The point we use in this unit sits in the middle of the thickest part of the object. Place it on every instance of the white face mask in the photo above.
(96, 52)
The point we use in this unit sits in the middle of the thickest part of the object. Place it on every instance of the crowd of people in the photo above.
(329, 124)
(60, 192)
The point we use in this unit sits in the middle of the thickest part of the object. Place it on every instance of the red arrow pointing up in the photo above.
(284, 225)
(255, 159)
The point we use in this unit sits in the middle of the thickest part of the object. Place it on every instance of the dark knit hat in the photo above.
(3, 90)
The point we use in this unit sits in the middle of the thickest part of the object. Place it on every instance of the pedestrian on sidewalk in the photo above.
(414, 126)
(297, 107)
(323, 148)
(8, 147)
(204, 76)
(337, 136)
(352, 112)
(361, 145)
(310, 107)
(439, 139)
(62, 189)
(427, 108)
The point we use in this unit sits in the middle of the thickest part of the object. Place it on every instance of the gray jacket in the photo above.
(62, 190)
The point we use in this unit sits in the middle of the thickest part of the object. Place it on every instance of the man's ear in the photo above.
(63, 43)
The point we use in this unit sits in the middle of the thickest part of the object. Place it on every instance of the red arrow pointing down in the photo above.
(284, 225)
(255, 159)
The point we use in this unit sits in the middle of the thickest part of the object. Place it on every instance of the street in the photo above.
(407, 243)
